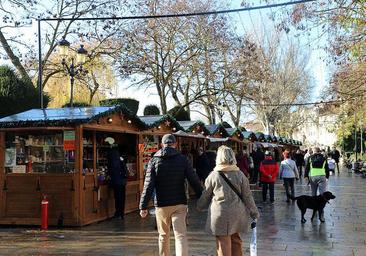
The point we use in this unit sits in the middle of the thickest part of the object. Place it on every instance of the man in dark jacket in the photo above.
(299, 159)
(202, 165)
(336, 155)
(258, 157)
(166, 174)
(117, 171)
(317, 171)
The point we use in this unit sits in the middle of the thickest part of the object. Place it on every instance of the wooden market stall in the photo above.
(251, 138)
(150, 138)
(236, 139)
(61, 153)
(187, 142)
(195, 136)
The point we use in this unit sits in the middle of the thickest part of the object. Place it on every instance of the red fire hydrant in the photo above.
(44, 213)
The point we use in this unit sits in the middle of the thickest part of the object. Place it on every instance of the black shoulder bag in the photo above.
(231, 186)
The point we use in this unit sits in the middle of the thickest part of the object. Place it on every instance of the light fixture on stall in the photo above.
(109, 120)
(159, 127)
(129, 121)
(174, 129)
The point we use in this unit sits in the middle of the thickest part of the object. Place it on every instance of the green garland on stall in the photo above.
(69, 122)
(165, 118)
(217, 129)
(198, 123)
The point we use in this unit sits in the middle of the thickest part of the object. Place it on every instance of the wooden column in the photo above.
(2, 173)
(79, 198)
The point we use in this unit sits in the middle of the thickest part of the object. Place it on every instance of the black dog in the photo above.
(317, 203)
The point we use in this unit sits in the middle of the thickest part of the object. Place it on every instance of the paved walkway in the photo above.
(279, 230)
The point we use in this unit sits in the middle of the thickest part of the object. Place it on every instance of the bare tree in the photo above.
(286, 82)
(20, 51)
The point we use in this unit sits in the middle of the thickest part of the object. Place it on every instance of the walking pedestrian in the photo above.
(166, 174)
(117, 171)
(242, 162)
(269, 171)
(336, 155)
(258, 157)
(317, 171)
(202, 165)
(228, 196)
(299, 159)
(307, 155)
(289, 172)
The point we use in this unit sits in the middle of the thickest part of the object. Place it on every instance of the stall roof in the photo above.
(249, 135)
(268, 138)
(192, 125)
(242, 128)
(213, 128)
(233, 131)
(64, 116)
(260, 136)
(274, 138)
(155, 121)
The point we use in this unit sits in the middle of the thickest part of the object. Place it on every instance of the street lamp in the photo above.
(72, 69)
(221, 110)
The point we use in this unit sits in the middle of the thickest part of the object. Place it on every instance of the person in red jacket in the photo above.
(269, 170)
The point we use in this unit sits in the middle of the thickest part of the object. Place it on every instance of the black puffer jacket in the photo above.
(166, 174)
(318, 161)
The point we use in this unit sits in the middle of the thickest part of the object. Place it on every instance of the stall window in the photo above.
(151, 145)
(44, 152)
(127, 146)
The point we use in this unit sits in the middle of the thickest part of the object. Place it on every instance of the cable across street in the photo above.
(181, 14)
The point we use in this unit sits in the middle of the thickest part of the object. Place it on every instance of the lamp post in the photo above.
(221, 110)
(74, 68)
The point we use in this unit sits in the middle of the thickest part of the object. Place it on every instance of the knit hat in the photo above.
(168, 139)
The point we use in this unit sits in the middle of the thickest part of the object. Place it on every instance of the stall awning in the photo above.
(218, 139)
(192, 135)
(267, 145)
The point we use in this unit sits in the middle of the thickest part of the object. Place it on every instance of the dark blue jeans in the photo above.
(289, 185)
(265, 186)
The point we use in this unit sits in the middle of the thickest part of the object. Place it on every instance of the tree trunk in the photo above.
(13, 58)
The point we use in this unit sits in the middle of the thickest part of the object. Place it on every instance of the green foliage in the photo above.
(77, 105)
(16, 94)
(151, 110)
(347, 142)
(131, 104)
(179, 114)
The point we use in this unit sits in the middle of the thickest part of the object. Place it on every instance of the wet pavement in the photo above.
(280, 231)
